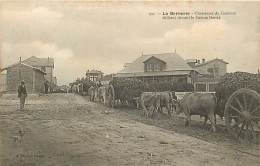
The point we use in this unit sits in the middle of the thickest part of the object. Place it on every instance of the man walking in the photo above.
(22, 94)
(46, 86)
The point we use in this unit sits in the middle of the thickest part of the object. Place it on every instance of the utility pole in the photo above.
(258, 75)
(19, 69)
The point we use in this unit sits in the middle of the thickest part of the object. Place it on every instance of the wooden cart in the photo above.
(242, 114)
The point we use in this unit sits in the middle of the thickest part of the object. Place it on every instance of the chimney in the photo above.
(48, 59)
(198, 61)
(203, 60)
(192, 64)
(258, 75)
(20, 59)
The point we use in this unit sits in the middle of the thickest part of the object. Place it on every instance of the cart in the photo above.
(242, 114)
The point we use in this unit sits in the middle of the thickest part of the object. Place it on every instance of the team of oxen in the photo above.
(153, 103)
(104, 94)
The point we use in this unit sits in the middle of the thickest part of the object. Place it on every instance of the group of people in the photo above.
(102, 93)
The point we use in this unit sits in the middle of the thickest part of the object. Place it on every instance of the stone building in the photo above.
(45, 64)
(33, 77)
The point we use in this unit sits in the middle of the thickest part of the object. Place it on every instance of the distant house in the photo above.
(33, 77)
(210, 73)
(94, 75)
(106, 79)
(215, 67)
(45, 64)
(159, 67)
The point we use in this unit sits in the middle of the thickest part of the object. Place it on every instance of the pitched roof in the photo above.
(107, 77)
(191, 60)
(93, 72)
(216, 59)
(173, 62)
(34, 68)
(153, 57)
(34, 61)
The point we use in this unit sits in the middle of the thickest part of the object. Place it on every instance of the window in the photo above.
(153, 67)
(210, 70)
(157, 67)
(216, 71)
(149, 67)
(93, 78)
(200, 87)
(212, 87)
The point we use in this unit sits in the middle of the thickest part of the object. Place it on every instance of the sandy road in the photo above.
(66, 130)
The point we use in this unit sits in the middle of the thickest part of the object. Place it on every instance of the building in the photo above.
(159, 67)
(45, 64)
(33, 77)
(210, 73)
(94, 75)
(215, 67)
(3, 83)
(106, 79)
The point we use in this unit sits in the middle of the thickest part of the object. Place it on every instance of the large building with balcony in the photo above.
(159, 67)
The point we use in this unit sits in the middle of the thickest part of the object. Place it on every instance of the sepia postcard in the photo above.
(137, 83)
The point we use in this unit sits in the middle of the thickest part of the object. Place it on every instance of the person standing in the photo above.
(22, 94)
(46, 86)
(99, 84)
(111, 94)
(174, 97)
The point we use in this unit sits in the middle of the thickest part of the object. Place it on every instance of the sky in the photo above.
(83, 35)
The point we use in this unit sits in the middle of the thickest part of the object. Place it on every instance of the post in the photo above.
(19, 69)
(33, 83)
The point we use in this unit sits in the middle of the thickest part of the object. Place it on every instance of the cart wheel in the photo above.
(242, 114)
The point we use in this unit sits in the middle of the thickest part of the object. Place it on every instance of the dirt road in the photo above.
(66, 130)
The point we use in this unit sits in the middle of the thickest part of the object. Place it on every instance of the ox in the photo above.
(106, 94)
(166, 100)
(75, 88)
(149, 103)
(198, 104)
(91, 93)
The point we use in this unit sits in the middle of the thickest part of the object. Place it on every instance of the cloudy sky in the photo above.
(89, 35)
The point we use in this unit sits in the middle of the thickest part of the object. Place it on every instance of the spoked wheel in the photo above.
(242, 114)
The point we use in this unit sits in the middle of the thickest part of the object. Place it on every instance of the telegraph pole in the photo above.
(19, 69)
(258, 75)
